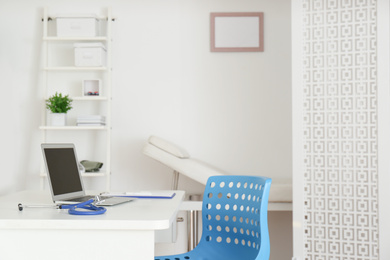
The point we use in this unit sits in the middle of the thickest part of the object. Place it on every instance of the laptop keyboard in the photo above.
(81, 199)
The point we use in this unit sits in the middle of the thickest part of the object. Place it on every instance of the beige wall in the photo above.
(231, 110)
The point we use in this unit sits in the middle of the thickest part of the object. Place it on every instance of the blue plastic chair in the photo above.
(234, 216)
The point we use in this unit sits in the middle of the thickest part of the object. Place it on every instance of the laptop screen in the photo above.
(63, 170)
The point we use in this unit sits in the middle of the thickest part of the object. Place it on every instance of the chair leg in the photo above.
(192, 221)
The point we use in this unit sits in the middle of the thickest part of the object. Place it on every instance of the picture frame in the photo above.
(237, 32)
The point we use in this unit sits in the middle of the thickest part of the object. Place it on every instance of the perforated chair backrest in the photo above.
(234, 216)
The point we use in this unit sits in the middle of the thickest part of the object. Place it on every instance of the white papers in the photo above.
(91, 120)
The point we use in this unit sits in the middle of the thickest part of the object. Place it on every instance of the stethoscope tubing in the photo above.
(89, 208)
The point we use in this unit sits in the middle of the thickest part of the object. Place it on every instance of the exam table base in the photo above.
(193, 224)
(77, 244)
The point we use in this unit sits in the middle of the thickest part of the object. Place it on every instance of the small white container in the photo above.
(92, 87)
(77, 26)
(58, 119)
(89, 54)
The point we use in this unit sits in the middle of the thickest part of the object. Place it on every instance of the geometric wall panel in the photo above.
(340, 129)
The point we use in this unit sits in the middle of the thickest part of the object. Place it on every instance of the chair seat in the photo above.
(210, 253)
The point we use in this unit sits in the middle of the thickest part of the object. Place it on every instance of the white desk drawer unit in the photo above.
(125, 231)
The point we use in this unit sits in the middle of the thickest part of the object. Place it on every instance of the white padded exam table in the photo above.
(178, 159)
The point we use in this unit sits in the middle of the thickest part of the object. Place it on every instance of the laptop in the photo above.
(65, 181)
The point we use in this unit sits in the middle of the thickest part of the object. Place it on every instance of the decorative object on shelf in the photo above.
(91, 166)
(58, 105)
(92, 87)
(237, 32)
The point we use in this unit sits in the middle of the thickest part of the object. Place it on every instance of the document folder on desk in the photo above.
(143, 195)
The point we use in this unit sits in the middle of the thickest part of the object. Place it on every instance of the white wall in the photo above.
(231, 110)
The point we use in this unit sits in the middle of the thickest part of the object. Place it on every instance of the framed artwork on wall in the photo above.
(237, 32)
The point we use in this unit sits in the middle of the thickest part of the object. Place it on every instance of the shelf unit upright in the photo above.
(46, 129)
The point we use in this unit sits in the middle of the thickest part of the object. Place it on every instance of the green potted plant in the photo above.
(58, 105)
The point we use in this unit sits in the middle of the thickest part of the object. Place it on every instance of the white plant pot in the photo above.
(58, 119)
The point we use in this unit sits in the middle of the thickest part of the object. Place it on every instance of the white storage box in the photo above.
(81, 26)
(89, 54)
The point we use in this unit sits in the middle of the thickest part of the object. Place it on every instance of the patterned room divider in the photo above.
(338, 147)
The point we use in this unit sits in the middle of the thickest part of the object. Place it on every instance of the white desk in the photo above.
(124, 232)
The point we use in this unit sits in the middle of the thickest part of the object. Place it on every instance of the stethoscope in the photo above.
(84, 208)
(88, 208)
